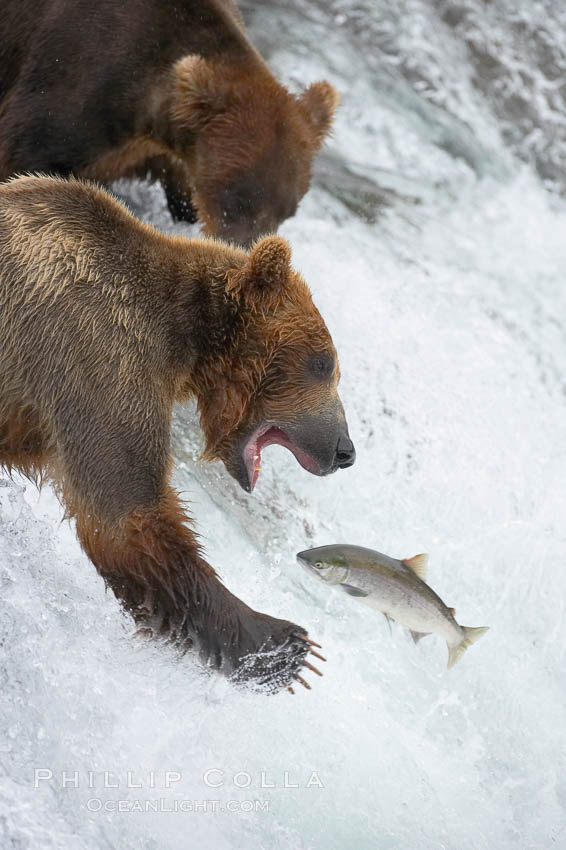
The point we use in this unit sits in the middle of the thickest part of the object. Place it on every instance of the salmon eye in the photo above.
(318, 564)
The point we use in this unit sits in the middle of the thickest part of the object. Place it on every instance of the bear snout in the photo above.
(345, 452)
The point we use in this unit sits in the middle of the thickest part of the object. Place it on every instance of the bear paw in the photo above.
(270, 654)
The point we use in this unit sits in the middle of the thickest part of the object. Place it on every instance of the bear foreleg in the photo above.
(153, 564)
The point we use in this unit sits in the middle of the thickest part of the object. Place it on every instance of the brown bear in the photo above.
(174, 91)
(104, 323)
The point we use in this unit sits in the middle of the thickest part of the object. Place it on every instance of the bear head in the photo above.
(278, 382)
(249, 144)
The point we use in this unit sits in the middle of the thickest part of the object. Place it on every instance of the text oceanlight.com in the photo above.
(171, 791)
(163, 805)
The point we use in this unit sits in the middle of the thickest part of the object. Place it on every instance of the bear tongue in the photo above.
(269, 436)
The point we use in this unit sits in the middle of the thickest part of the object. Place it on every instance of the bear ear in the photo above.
(320, 102)
(262, 280)
(199, 93)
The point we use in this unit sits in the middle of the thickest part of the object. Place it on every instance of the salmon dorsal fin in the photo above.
(418, 565)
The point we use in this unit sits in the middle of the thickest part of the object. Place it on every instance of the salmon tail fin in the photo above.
(471, 635)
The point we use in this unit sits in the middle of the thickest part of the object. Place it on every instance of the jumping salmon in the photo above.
(396, 588)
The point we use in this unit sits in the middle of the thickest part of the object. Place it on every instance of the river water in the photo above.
(433, 241)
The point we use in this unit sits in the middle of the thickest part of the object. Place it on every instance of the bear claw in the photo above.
(317, 654)
(277, 664)
(312, 667)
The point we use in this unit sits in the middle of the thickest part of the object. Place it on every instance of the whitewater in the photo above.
(434, 243)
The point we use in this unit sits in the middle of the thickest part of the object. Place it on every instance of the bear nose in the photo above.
(345, 452)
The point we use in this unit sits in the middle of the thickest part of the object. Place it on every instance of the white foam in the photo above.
(448, 317)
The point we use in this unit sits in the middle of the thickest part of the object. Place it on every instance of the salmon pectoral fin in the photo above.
(352, 591)
(417, 636)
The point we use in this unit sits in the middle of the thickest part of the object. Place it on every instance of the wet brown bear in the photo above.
(104, 323)
(174, 90)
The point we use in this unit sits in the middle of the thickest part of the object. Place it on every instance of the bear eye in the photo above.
(321, 366)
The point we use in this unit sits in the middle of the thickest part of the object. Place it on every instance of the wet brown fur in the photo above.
(172, 91)
(104, 323)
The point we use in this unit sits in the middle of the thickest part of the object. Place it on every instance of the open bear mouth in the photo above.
(269, 435)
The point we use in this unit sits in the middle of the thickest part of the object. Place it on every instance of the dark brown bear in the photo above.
(173, 90)
(104, 324)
